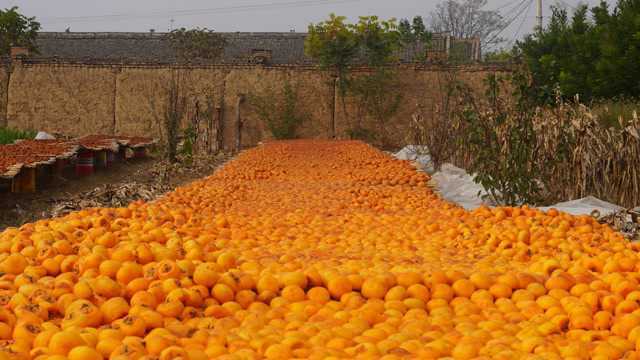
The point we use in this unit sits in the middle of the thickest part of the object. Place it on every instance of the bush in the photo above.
(281, 117)
(541, 155)
(438, 128)
(8, 135)
(499, 135)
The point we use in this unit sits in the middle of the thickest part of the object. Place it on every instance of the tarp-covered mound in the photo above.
(456, 185)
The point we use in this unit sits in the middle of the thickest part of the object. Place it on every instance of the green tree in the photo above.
(591, 56)
(198, 44)
(17, 30)
(337, 45)
(414, 34)
(378, 39)
(334, 45)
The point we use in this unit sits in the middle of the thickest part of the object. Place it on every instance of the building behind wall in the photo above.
(277, 48)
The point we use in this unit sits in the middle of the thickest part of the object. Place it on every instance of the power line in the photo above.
(567, 4)
(521, 23)
(192, 12)
(522, 6)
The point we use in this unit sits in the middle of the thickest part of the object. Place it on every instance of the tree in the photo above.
(17, 30)
(378, 39)
(334, 45)
(414, 31)
(338, 45)
(413, 34)
(196, 44)
(594, 56)
(465, 19)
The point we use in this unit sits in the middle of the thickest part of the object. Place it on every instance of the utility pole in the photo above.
(539, 15)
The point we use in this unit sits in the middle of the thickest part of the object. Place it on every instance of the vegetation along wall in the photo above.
(78, 99)
(4, 85)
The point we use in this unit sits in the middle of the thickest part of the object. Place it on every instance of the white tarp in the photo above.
(44, 136)
(456, 185)
(585, 206)
(418, 154)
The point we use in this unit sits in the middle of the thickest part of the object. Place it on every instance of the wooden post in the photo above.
(215, 134)
(238, 123)
(334, 102)
(101, 159)
(25, 181)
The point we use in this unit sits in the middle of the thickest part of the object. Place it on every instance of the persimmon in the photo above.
(317, 249)
(114, 309)
(84, 353)
(64, 341)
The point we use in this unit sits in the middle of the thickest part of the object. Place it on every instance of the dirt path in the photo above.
(144, 179)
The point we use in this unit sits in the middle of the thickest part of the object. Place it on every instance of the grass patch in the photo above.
(8, 135)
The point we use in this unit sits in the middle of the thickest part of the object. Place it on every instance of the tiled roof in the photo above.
(285, 48)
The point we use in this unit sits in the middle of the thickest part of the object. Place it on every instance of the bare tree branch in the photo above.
(465, 19)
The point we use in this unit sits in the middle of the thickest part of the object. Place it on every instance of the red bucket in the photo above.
(139, 152)
(84, 166)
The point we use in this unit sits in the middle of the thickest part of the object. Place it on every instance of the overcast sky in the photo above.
(244, 15)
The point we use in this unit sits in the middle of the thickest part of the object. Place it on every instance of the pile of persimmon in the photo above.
(317, 249)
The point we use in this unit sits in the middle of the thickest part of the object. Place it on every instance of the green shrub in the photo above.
(8, 135)
(501, 139)
(281, 117)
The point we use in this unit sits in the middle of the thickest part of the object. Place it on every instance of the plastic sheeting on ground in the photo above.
(585, 206)
(456, 185)
(44, 136)
(418, 154)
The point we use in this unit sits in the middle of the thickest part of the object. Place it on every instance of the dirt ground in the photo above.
(134, 179)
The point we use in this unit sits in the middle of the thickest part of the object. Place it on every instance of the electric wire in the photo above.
(513, 40)
(524, 5)
(193, 12)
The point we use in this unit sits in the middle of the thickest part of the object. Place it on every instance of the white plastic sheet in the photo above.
(418, 154)
(585, 206)
(456, 185)
(44, 136)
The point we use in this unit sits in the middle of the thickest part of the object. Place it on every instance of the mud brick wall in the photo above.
(78, 99)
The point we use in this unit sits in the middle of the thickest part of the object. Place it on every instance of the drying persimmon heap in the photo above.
(317, 249)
